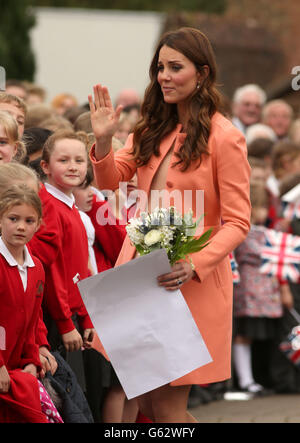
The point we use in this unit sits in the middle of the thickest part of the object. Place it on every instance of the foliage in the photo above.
(216, 6)
(16, 56)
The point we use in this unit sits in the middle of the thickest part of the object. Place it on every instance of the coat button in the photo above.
(169, 184)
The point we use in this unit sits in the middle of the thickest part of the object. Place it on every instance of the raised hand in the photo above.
(104, 118)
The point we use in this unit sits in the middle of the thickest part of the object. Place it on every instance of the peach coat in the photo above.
(224, 177)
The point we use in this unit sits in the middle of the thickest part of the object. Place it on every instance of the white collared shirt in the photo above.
(28, 262)
(90, 232)
(69, 201)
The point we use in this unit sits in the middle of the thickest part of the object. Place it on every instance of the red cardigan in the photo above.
(21, 404)
(45, 245)
(109, 238)
(62, 297)
(19, 314)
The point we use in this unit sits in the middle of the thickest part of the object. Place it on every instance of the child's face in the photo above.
(18, 225)
(67, 166)
(258, 175)
(84, 198)
(296, 165)
(259, 215)
(123, 131)
(17, 113)
(7, 149)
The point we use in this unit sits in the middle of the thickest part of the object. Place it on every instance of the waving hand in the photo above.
(103, 116)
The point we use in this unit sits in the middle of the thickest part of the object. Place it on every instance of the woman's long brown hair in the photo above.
(159, 118)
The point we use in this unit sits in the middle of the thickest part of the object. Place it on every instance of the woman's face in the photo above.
(177, 75)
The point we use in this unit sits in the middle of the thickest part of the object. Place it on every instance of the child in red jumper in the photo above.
(21, 291)
(64, 161)
(43, 245)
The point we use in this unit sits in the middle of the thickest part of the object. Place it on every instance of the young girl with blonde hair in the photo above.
(43, 244)
(21, 291)
(11, 147)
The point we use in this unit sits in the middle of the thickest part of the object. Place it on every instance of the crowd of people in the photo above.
(64, 243)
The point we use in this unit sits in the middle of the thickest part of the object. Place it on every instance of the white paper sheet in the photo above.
(148, 333)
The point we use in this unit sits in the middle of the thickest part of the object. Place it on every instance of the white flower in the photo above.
(134, 234)
(167, 234)
(152, 237)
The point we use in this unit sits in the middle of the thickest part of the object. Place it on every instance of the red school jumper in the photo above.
(45, 245)
(109, 237)
(19, 316)
(62, 297)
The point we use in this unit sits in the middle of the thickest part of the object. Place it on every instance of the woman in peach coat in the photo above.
(183, 142)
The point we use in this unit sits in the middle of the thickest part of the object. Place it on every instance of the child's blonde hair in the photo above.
(17, 195)
(15, 173)
(60, 135)
(14, 100)
(10, 127)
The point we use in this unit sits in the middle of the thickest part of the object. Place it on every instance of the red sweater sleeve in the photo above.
(42, 332)
(45, 243)
(109, 237)
(56, 296)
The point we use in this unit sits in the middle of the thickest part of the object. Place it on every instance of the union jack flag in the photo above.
(281, 256)
(291, 346)
(291, 210)
(234, 268)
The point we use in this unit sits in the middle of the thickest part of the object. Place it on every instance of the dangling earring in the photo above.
(198, 85)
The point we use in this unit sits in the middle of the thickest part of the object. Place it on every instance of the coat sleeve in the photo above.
(114, 167)
(233, 175)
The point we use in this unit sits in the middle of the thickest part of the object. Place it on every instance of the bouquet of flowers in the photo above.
(166, 229)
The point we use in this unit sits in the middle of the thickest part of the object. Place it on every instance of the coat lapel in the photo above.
(147, 172)
(145, 177)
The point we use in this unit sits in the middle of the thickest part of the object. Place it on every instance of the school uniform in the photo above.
(62, 296)
(108, 242)
(45, 243)
(109, 237)
(21, 292)
(90, 232)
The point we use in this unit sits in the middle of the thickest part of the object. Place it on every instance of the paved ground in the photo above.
(271, 409)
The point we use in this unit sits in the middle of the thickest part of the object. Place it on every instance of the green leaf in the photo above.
(140, 250)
